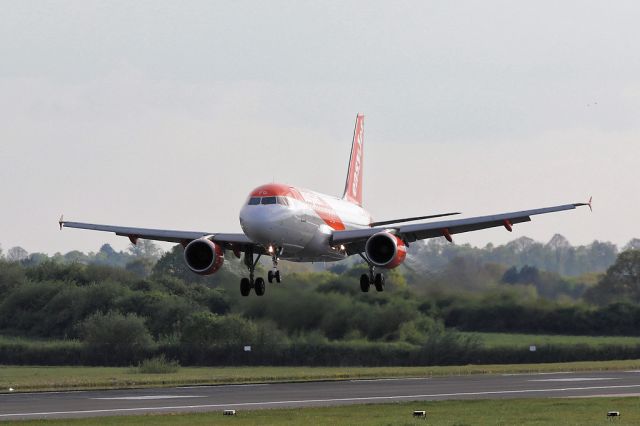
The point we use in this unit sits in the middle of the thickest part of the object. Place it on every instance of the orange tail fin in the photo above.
(353, 186)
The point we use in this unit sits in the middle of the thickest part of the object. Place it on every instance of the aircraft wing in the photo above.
(354, 240)
(239, 242)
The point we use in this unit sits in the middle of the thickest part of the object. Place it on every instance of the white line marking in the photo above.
(224, 386)
(538, 374)
(147, 397)
(48, 392)
(575, 379)
(306, 401)
(389, 379)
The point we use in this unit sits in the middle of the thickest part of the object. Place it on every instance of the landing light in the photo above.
(342, 247)
(270, 249)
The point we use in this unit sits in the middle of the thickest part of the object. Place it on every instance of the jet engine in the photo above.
(385, 250)
(203, 256)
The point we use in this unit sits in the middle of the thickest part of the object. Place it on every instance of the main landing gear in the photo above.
(258, 284)
(366, 280)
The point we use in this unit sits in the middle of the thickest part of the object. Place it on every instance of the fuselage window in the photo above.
(254, 200)
(268, 200)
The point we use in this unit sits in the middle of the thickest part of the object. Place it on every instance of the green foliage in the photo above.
(204, 329)
(556, 256)
(115, 338)
(549, 285)
(157, 365)
(129, 313)
(621, 281)
(12, 275)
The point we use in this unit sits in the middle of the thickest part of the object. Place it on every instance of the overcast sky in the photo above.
(166, 114)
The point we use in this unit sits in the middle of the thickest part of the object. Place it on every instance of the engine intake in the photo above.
(203, 256)
(385, 250)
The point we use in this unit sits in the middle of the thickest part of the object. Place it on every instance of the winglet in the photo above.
(588, 203)
(61, 221)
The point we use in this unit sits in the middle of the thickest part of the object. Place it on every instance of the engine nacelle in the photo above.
(203, 256)
(385, 250)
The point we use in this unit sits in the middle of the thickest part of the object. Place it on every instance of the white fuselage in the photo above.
(299, 222)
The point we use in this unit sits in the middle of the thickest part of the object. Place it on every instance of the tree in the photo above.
(115, 338)
(141, 266)
(633, 244)
(17, 254)
(621, 282)
(146, 249)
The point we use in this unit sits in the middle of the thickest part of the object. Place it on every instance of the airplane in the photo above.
(290, 223)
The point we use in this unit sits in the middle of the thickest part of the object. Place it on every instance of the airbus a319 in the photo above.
(289, 223)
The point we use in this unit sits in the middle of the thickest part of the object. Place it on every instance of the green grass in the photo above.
(492, 340)
(573, 411)
(28, 378)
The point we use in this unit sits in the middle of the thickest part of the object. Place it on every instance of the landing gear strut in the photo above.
(274, 273)
(246, 284)
(366, 280)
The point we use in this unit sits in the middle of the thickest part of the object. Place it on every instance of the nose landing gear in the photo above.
(274, 273)
(366, 280)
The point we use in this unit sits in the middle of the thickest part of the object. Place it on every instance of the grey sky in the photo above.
(166, 114)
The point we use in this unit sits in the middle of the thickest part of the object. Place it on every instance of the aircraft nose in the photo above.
(259, 223)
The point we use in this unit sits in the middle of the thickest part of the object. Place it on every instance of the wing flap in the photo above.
(354, 239)
(228, 241)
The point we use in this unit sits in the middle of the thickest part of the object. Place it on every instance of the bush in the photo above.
(157, 365)
(114, 338)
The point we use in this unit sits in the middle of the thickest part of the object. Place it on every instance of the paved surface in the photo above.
(258, 396)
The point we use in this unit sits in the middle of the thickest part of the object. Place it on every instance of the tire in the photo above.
(379, 282)
(364, 283)
(270, 276)
(260, 286)
(245, 287)
(277, 276)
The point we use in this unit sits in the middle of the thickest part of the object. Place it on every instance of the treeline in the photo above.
(557, 255)
(113, 316)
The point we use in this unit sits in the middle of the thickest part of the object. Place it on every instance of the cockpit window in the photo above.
(254, 200)
(268, 200)
(283, 201)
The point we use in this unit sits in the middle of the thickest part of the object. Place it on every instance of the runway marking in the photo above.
(390, 379)
(538, 374)
(148, 397)
(303, 401)
(575, 379)
(224, 386)
(608, 395)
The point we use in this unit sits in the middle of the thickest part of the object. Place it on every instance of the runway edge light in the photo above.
(613, 414)
(229, 413)
(419, 413)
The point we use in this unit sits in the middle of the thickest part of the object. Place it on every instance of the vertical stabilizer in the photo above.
(353, 186)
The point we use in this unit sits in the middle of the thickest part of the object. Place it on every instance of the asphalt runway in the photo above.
(260, 396)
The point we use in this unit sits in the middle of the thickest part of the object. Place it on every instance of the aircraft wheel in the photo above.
(260, 286)
(276, 275)
(270, 276)
(364, 283)
(379, 282)
(245, 286)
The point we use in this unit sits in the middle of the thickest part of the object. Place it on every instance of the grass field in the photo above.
(27, 378)
(570, 411)
(492, 340)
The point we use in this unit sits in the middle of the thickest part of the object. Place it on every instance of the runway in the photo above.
(278, 395)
